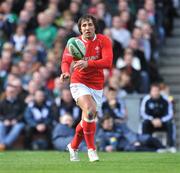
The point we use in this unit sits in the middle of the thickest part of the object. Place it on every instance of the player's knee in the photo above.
(91, 115)
(90, 112)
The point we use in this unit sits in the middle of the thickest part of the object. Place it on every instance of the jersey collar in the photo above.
(95, 36)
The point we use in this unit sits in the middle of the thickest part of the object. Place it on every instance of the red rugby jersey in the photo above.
(99, 56)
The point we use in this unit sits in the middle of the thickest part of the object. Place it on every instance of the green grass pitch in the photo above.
(58, 162)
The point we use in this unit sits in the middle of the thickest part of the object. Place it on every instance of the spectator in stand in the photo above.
(11, 116)
(126, 19)
(3, 76)
(28, 58)
(36, 52)
(154, 20)
(31, 89)
(37, 77)
(118, 81)
(28, 21)
(51, 13)
(144, 66)
(38, 117)
(137, 34)
(100, 21)
(9, 19)
(114, 106)
(142, 18)
(145, 46)
(40, 80)
(10, 77)
(23, 73)
(165, 91)
(149, 6)
(31, 39)
(36, 48)
(45, 32)
(8, 46)
(133, 44)
(17, 84)
(52, 75)
(61, 37)
(103, 14)
(45, 75)
(134, 82)
(119, 33)
(74, 8)
(58, 87)
(53, 57)
(63, 133)
(66, 104)
(125, 6)
(135, 62)
(15, 70)
(19, 39)
(50, 66)
(31, 24)
(146, 39)
(117, 47)
(6, 60)
(69, 25)
(157, 113)
(111, 137)
(107, 136)
(24, 18)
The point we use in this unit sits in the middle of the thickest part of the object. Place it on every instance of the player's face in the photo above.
(88, 29)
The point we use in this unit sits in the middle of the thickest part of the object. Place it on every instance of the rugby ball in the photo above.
(76, 48)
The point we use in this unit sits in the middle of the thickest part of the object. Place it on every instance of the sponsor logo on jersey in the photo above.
(90, 58)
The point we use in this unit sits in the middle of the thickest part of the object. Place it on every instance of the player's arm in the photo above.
(66, 65)
(107, 55)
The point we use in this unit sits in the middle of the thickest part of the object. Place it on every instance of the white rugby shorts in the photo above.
(79, 89)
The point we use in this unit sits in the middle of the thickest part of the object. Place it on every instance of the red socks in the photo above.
(89, 129)
(78, 137)
(87, 132)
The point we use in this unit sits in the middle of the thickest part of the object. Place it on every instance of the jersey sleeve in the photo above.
(107, 55)
(66, 61)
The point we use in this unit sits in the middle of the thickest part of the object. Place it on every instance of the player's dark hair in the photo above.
(88, 17)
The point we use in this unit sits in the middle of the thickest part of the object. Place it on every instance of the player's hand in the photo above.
(64, 77)
(81, 64)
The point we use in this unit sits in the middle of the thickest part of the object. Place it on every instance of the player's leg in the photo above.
(78, 137)
(73, 146)
(73, 153)
(88, 106)
(82, 95)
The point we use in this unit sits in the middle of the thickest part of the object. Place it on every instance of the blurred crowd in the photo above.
(33, 35)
